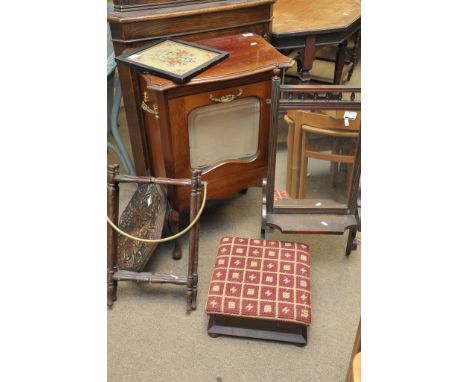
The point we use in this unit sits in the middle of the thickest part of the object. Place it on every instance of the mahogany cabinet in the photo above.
(137, 22)
(217, 122)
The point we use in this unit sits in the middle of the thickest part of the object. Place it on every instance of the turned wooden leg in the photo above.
(194, 292)
(196, 233)
(355, 56)
(192, 277)
(113, 214)
(351, 245)
(298, 59)
(308, 57)
(334, 173)
(349, 178)
(264, 208)
(334, 166)
(173, 225)
(340, 61)
(304, 161)
(191, 258)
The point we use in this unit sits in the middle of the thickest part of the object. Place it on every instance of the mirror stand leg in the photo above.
(352, 243)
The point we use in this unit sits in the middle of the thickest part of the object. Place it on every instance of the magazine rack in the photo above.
(114, 274)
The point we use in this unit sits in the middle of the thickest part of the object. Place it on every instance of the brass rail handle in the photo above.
(186, 229)
(145, 107)
(227, 97)
(154, 110)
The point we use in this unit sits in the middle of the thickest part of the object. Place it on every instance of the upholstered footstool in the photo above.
(260, 289)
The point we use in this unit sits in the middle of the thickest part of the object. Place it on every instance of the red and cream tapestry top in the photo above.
(266, 279)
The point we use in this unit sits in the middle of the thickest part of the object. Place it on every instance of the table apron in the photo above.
(322, 38)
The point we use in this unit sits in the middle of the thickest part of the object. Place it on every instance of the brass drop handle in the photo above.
(145, 107)
(227, 97)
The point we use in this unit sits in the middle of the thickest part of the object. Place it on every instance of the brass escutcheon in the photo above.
(227, 97)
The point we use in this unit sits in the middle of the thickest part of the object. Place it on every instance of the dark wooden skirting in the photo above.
(257, 328)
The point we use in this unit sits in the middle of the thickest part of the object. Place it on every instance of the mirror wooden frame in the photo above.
(292, 217)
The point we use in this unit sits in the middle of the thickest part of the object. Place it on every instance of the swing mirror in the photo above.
(316, 144)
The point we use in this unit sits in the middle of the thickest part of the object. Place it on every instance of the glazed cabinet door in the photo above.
(225, 134)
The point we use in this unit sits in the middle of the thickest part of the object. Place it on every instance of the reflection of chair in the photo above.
(290, 153)
(281, 195)
(294, 119)
(326, 138)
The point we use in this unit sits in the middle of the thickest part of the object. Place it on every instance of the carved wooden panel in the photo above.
(143, 217)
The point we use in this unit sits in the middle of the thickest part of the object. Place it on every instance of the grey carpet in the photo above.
(151, 338)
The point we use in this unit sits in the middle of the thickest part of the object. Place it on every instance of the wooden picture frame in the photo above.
(174, 59)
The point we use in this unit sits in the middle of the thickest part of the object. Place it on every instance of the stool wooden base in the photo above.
(257, 328)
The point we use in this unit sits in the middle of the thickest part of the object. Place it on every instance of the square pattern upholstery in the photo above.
(265, 279)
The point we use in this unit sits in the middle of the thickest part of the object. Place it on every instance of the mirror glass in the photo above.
(315, 158)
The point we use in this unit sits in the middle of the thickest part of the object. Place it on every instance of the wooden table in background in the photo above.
(308, 24)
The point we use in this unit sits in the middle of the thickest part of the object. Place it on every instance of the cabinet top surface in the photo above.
(306, 16)
(248, 54)
(187, 10)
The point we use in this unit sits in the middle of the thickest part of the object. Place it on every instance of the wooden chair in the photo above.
(356, 376)
(354, 368)
(326, 138)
